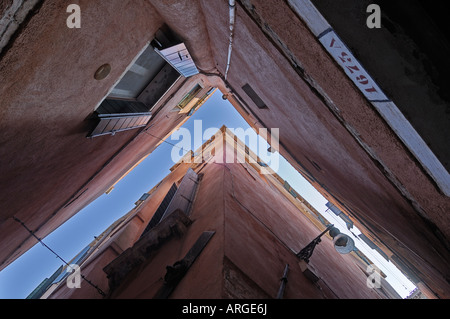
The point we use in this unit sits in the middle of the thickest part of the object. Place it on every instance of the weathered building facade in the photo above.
(217, 228)
(66, 136)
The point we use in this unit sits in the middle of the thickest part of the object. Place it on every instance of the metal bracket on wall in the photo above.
(284, 280)
(306, 253)
(177, 271)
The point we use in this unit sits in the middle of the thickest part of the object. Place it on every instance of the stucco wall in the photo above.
(246, 256)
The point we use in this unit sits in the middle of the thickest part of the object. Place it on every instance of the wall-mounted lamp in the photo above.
(342, 243)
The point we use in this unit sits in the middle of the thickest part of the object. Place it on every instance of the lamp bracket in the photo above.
(307, 252)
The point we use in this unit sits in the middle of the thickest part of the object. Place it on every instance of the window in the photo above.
(119, 115)
(161, 209)
(180, 59)
(147, 80)
(193, 99)
(122, 110)
(290, 189)
(188, 97)
(136, 79)
(142, 199)
(333, 208)
(255, 97)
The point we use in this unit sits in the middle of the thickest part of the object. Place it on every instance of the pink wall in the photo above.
(247, 255)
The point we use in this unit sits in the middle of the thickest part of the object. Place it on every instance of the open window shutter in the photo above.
(113, 123)
(120, 115)
(180, 59)
(184, 196)
(161, 209)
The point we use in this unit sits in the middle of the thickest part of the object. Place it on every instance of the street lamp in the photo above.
(342, 243)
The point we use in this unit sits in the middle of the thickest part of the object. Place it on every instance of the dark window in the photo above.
(144, 196)
(290, 189)
(115, 115)
(130, 102)
(136, 79)
(262, 164)
(161, 209)
(114, 123)
(255, 97)
(142, 199)
(333, 208)
(188, 97)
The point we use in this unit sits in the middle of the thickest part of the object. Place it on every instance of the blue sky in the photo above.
(28, 271)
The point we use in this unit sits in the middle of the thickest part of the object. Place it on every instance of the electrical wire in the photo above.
(163, 140)
(101, 292)
(58, 256)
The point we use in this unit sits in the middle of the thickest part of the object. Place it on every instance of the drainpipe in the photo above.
(232, 7)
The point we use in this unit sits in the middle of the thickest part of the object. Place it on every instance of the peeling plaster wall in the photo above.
(13, 13)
